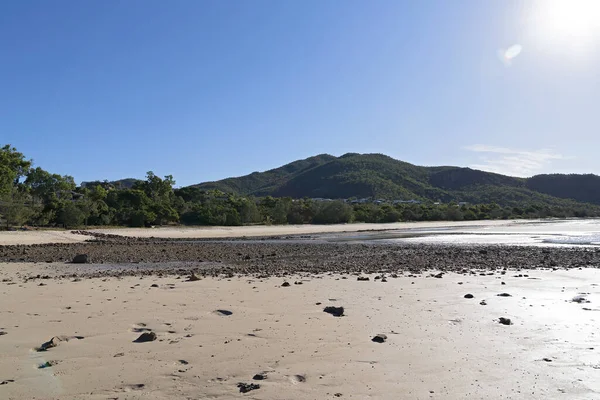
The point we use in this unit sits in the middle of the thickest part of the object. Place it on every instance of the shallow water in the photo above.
(553, 233)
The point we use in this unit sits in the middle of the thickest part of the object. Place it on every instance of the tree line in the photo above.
(35, 197)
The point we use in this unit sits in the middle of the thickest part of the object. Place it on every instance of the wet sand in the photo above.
(439, 344)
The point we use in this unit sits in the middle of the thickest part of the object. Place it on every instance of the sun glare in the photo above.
(574, 23)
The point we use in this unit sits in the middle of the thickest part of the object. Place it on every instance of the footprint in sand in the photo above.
(135, 386)
(223, 313)
(296, 379)
(139, 327)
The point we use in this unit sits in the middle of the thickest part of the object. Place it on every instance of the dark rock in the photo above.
(504, 295)
(80, 259)
(298, 283)
(439, 276)
(260, 377)
(468, 296)
(184, 362)
(50, 344)
(6, 382)
(119, 355)
(547, 359)
(380, 338)
(285, 284)
(505, 321)
(193, 278)
(224, 313)
(338, 395)
(319, 303)
(154, 285)
(383, 279)
(335, 311)
(580, 299)
(503, 283)
(483, 303)
(363, 278)
(47, 364)
(2, 333)
(146, 337)
(246, 387)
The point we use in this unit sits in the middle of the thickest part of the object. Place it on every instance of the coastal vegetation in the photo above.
(351, 188)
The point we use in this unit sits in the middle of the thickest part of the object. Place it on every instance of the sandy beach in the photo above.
(61, 236)
(439, 344)
(251, 324)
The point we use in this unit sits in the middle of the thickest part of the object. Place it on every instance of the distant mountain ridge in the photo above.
(380, 176)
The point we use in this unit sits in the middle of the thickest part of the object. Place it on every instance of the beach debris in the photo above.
(193, 278)
(379, 338)
(439, 276)
(224, 313)
(285, 284)
(335, 311)
(119, 355)
(468, 296)
(504, 295)
(47, 364)
(183, 362)
(505, 321)
(298, 283)
(7, 381)
(547, 359)
(55, 341)
(154, 285)
(80, 259)
(2, 333)
(363, 278)
(260, 377)
(503, 283)
(146, 337)
(246, 387)
(318, 303)
(482, 303)
(580, 298)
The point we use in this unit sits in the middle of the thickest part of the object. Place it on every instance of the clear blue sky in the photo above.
(204, 90)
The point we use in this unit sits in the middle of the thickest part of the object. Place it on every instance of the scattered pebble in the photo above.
(260, 377)
(335, 311)
(246, 387)
(379, 338)
(285, 284)
(146, 337)
(468, 296)
(504, 295)
(505, 321)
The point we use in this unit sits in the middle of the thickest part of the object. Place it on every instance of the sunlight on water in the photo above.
(539, 233)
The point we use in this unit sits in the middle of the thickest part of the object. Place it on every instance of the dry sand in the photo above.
(440, 345)
(39, 237)
(48, 236)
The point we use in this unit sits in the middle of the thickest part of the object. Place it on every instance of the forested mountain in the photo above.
(265, 183)
(29, 195)
(380, 176)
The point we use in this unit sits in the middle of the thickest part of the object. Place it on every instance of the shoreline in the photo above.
(256, 231)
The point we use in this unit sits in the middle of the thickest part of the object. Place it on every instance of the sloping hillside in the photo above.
(380, 176)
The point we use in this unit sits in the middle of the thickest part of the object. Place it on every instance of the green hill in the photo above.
(380, 176)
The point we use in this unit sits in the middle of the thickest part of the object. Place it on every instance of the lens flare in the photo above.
(507, 55)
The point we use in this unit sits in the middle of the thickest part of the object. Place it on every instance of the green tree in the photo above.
(70, 215)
